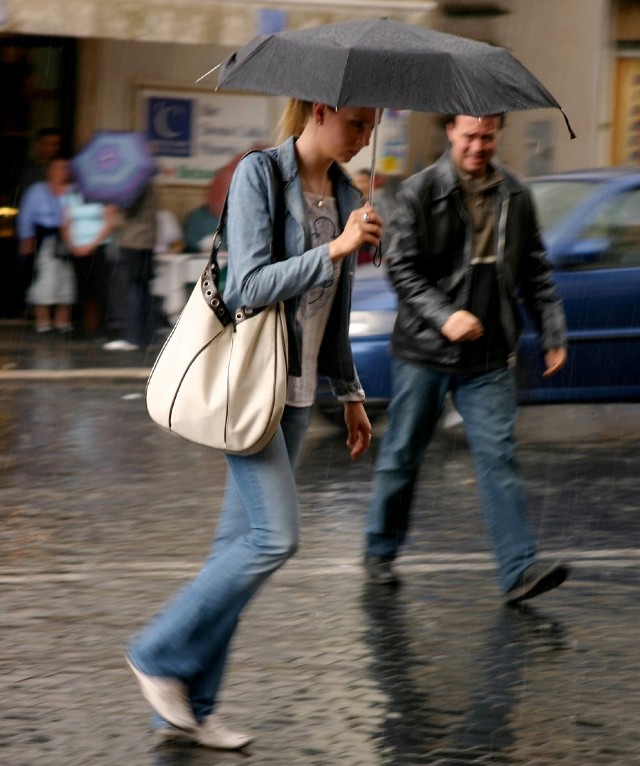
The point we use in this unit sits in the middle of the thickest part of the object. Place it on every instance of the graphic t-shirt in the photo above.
(315, 305)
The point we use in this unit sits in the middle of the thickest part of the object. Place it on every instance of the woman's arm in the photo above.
(257, 280)
(26, 216)
(109, 223)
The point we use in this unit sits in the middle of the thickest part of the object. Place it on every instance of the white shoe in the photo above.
(168, 697)
(210, 733)
(120, 345)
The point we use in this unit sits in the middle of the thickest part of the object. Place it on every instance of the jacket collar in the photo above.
(285, 155)
(448, 181)
(347, 195)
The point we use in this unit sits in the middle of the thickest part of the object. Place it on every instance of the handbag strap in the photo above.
(211, 274)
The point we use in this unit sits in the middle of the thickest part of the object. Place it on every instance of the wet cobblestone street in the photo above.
(104, 516)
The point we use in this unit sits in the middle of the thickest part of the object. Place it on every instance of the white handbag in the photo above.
(221, 378)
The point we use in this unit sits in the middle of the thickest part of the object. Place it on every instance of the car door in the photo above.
(598, 277)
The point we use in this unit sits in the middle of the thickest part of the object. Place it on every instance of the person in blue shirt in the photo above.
(53, 289)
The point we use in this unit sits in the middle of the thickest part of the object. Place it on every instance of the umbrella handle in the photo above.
(377, 255)
(374, 148)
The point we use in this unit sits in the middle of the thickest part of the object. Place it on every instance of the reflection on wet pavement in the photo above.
(104, 517)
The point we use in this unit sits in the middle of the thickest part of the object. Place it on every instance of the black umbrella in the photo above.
(382, 63)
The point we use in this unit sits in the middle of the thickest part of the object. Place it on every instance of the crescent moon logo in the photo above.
(161, 121)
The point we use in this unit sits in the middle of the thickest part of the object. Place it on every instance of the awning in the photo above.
(229, 23)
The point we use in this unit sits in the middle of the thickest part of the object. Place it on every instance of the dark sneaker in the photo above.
(536, 579)
(380, 571)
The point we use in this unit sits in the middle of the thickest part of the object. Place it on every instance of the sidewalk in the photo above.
(22, 349)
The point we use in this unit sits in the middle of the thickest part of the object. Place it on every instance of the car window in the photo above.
(554, 199)
(618, 222)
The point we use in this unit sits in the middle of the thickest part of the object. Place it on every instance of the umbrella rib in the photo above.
(339, 102)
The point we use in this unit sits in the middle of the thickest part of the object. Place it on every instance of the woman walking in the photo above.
(179, 658)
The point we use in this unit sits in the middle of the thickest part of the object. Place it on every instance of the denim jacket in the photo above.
(253, 277)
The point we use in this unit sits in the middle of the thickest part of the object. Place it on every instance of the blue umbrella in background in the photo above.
(115, 167)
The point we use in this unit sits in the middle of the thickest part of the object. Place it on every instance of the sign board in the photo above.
(194, 133)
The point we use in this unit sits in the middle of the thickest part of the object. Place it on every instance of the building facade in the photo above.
(587, 52)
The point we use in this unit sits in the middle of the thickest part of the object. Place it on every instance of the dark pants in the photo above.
(92, 278)
(140, 320)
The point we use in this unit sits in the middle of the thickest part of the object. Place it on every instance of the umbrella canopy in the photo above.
(382, 63)
(115, 166)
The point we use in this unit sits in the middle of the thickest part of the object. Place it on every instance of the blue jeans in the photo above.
(488, 406)
(257, 532)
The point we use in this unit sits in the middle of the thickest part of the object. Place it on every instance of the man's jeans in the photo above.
(258, 531)
(488, 406)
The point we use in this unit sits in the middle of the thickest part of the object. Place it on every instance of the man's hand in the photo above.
(554, 360)
(82, 251)
(359, 428)
(462, 325)
(27, 246)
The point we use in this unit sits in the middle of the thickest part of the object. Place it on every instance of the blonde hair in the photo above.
(294, 118)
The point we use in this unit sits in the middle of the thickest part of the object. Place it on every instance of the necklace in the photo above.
(324, 193)
(320, 202)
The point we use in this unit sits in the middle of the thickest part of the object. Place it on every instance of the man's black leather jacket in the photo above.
(428, 262)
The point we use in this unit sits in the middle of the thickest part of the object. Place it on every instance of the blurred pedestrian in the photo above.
(465, 246)
(53, 288)
(137, 239)
(47, 147)
(87, 229)
(179, 659)
(362, 180)
(199, 225)
(168, 233)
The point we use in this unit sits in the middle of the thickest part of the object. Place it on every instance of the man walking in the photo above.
(465, 242)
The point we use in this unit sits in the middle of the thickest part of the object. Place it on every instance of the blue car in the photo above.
(591, 225)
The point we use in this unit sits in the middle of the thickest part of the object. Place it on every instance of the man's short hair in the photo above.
(45, 132)
(447, 119)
